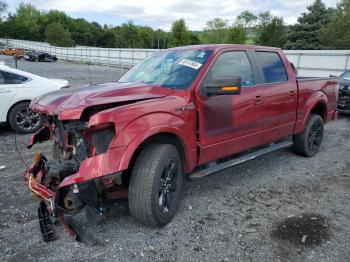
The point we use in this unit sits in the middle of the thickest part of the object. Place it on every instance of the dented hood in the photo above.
(70, 103)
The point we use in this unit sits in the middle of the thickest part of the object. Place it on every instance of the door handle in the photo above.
(258, 99)
(292, 93)
(2, 91)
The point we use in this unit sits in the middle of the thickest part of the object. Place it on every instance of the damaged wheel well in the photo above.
(161, 138)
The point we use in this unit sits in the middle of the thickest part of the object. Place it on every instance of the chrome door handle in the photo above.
(258, 99)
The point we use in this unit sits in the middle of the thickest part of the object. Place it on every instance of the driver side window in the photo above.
(231, 64)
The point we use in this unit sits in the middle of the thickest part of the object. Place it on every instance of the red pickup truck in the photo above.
(186, 110)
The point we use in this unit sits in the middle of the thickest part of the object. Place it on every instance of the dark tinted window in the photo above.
(272, 67)
(232, 64)
(10, 78)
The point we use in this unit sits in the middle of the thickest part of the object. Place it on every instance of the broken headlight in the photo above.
(101, 138)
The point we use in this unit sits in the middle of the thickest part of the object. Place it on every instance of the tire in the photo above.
(308, 143)
(152, 200)
(23, 120)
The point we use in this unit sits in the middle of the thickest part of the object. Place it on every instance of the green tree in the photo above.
(127, 35)
(56, 34)
(106, 39)
(215, 31)
(246, 19)
(3, 8)
(147, 37)
(161, 39)
(270, 30)
(336, 34)
(24, 24)
(179, 33)
(305, 34)
(236, 34)
(194, 38)
(54, 16)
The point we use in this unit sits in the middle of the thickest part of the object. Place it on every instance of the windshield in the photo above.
(346, 75)
(175, 69)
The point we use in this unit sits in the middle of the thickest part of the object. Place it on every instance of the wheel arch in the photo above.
(162, 137)
(316, 104)
(320, 108)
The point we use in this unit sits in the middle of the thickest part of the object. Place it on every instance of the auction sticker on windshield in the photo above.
(189, 63)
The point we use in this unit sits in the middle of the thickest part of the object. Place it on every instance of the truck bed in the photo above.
(322, 87)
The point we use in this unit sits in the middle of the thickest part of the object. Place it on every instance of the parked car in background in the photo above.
(37, 56)
(19, 52)
(17, 89)
(344, 92)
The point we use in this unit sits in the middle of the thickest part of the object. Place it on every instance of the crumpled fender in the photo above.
(42, 135)
(118, 156)
(152, 124)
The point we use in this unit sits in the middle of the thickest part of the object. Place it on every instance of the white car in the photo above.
(17, 89)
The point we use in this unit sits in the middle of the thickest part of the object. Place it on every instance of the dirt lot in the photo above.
(280, 207)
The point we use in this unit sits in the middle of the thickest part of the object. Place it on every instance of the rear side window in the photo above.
(10, 78)
(272, 67)
(230, 64)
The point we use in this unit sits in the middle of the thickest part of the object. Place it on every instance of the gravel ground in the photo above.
(279, 207)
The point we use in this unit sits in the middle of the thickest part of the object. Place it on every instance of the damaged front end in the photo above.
(72, 183)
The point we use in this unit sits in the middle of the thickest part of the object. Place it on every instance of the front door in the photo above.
(229, 123)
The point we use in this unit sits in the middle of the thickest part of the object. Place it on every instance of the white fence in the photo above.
(123, 57)
(319, 62)
(308, 62)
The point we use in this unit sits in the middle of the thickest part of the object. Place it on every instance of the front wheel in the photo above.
(156, 185)
(308, 143)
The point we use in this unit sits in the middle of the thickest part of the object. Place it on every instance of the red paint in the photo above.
(225, 125)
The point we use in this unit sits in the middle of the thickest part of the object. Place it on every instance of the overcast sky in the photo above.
(161, 13)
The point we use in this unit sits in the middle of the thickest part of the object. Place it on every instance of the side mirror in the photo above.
(223, 86)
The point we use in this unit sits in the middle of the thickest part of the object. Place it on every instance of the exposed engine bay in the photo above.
(73, 142)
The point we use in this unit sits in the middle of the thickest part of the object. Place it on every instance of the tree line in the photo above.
(317, 28)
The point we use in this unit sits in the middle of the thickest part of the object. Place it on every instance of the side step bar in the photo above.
(230, 163)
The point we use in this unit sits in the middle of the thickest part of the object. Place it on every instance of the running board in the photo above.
(230, 163)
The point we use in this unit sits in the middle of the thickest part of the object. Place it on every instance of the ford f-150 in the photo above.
(187, 110)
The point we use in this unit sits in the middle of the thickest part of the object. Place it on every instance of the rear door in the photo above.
(228, 123)
(280, 94)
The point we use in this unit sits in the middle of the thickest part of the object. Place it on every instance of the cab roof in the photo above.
(218, 47)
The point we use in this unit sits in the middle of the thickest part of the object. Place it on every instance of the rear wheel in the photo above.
(23, 120)
(156, 185)
(308, 143)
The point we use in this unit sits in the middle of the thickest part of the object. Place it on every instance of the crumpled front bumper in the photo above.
(48, 212)
(33, 181)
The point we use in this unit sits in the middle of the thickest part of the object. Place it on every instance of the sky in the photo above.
(161, 13)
